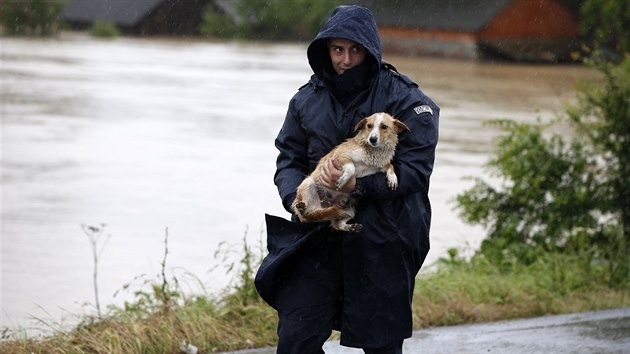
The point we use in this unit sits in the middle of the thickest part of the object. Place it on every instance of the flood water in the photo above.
(148, 134)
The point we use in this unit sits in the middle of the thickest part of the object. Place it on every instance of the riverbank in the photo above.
(161, 317)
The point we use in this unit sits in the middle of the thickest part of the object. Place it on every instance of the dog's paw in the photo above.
(392, 181)
(300, 207)
(355, 227)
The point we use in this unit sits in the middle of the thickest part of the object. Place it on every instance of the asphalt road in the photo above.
(598, 332)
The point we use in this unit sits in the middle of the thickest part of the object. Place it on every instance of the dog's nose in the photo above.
(373, 140)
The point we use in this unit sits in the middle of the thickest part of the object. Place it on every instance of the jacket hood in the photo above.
(351, 22)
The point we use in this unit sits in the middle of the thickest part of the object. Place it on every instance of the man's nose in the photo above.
(347, 58)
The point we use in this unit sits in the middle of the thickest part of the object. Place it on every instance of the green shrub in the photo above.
(30, 17)
(562, 194)
(217, 25)
(269, 19)
(607, 23)
(103, 29)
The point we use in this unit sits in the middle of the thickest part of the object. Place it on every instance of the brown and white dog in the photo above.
(370, 151)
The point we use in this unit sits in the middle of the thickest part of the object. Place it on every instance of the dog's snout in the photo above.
(373, 139)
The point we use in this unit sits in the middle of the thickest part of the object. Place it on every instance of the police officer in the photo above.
(360, 283)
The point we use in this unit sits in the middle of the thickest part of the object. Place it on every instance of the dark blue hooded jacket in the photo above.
(380, 263)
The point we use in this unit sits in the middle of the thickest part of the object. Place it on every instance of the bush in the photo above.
(560, 196)
(607, 23)
(217, 25)
(104, 29)
(30, 17)
(269, 19)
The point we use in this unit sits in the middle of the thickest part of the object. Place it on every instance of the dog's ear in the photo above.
(361, 124)
(400, 126)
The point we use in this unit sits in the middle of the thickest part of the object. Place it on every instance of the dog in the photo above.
(370, 151)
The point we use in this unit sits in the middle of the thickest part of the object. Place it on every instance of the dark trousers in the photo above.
(310, 298)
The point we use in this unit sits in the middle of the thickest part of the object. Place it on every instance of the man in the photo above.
(359, 283)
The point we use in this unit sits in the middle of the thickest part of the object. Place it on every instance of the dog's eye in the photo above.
(370, 126)
(384, 127)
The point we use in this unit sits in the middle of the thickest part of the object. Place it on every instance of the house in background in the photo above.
(522, 30)
(172, 17)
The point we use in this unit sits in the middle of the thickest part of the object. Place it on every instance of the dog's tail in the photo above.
(325, 214)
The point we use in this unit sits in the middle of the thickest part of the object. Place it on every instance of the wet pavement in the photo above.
(605, 331)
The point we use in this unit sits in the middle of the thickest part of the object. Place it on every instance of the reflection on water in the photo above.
(148, 134)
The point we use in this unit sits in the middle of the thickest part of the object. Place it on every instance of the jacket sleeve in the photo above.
(292, 162)
(415, 153)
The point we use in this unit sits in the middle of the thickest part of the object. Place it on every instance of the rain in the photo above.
(142, 134)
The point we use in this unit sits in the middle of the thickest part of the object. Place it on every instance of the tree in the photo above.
(31, 17)
(607, 23)
(270, 19)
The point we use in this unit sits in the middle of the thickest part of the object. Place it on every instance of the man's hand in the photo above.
(331, 173)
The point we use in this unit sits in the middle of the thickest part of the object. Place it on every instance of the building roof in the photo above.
(121, 12)
(459, 15)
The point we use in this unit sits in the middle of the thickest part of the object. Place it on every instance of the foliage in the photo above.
(607, 22)
(161, 318)
(460, 291)
(269, 19)
(557, 196)
(103, 29)
(94, 234)
(217, 24)
(476, 290)
(30, 17)
(602, 119)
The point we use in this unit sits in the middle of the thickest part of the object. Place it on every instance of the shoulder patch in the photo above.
(422, 109)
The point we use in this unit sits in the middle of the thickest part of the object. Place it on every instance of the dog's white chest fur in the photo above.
(369, 163)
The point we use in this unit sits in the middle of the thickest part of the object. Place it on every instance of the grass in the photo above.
(477, 291)
(163, 320)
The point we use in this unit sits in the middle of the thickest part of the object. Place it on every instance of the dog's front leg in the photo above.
(392, 179)
(348, 171)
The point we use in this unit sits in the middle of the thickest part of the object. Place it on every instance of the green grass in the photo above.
(457, 292)
(477, 291)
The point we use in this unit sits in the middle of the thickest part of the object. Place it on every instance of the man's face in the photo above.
(345, 54)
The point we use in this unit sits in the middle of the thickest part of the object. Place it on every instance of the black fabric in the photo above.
(392, 348)
(284, 238)
(309, 297)
(352, 82)
(380, 263)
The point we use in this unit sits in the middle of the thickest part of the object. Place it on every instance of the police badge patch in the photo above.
(422, 109)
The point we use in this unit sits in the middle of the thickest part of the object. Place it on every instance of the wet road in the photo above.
(605, 331)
